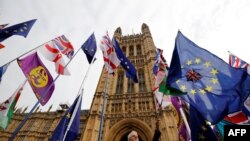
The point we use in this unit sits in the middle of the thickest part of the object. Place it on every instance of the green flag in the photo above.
(7, 107)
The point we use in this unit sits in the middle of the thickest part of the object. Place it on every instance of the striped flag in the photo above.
(8, 106)
(111, 60)
(64, 46)
(237, 117)
(51, 52)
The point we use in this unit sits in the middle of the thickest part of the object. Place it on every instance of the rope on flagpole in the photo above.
(26, 53)
(31, 111)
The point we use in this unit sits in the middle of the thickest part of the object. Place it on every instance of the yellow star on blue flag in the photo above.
(211, 85)
(21, 29)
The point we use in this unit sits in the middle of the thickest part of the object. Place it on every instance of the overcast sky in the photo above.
(218, 26)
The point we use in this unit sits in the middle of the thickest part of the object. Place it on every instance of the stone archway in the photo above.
(123, 127)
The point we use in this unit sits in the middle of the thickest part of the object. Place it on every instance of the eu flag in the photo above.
(213, 87)
(89, 48)
(68, 127)
(200, 129)
(126, 64)
(21, 29)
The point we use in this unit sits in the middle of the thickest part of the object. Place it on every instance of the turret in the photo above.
(118, 34)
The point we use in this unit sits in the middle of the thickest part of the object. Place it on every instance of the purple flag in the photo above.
(183, 134)
(38, 76)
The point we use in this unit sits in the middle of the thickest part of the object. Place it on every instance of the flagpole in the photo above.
(184, 118)
(81, 89)
(25, 53)
(28, 115)
(74, 113)
(103, 105)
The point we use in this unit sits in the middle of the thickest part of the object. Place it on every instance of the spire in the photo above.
(50, 107)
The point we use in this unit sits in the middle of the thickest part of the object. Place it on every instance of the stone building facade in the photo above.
(40, 125)
(129, 105)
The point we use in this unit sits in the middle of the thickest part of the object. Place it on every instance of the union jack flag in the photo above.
(64, 46)
(237, 117)
(51, 52)
(236, 62)
(193, 76)
(111, 60)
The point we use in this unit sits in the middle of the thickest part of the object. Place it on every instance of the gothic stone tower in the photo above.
(130, 106)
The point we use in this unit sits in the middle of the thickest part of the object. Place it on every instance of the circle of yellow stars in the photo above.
(209, 87)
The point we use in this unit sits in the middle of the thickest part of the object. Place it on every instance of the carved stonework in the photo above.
(131, 106)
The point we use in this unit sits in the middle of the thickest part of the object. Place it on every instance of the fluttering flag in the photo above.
(68, 127)
(110, 58)
(160, 62)
(182, 129)
(8, 106)
(52, 53)
(200, 129)
(2, 71)
(89, 47)
(38, 77)
(64, 46)
(160, 71)
(236, 62)
(125, 62)
(211, 85)
(21, 29)
(160, 89)
(2, 26)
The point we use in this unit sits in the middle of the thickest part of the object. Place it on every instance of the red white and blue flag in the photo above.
(64, 46)
(236, 62)
(238, 117)
(111, 60)
(51, 52)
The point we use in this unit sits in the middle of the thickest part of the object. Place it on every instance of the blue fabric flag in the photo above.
(213, 87)
(69, 124)
(126, 64)
(2, 71)
(157, 59)
(21, 29)
(89, 47)
(200, 129)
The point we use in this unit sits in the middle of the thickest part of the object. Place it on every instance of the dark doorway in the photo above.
(125, 137)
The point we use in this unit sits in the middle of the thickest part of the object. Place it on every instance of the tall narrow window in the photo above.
(142, 85)
(119, 85)
(124, 50)
(138, 49)
(130, 86)
(131, 50)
